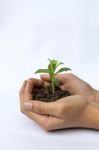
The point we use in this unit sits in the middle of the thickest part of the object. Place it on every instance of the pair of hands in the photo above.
(68, 112)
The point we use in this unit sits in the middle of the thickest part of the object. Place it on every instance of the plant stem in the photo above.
(53, 87)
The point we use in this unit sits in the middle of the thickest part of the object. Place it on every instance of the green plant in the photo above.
(52, 71)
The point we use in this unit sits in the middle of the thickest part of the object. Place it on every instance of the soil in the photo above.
(46, 95)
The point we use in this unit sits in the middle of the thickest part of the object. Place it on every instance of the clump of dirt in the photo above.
(46, 95)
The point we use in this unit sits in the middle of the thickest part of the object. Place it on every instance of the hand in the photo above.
(72, 83)
(72, 111)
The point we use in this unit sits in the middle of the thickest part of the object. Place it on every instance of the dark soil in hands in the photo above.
(46, 95)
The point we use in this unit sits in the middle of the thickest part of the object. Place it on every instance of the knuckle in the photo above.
(30, 79)
(40, 107)
(37, 107)
(67, 78)
(47, 126)
(28, 82)
(22, 110)
(70, 76)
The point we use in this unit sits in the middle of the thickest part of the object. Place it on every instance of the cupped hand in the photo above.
(63, 113)
(72, 84)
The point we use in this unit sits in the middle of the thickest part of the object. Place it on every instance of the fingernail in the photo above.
(28, 106)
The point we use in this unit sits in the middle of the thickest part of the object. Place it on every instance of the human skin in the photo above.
(80, 110)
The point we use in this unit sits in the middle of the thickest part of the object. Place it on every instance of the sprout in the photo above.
(52, 71)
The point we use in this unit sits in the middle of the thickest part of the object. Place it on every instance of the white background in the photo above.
(30, 32)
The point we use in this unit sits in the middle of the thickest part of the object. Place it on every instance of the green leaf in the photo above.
(60, 63)
(50, 69)
(42, 71)
(62, 69)
(53, 61)
(56, 82)
(52, 66)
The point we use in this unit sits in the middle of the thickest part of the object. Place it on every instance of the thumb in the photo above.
(40, 107)
(45, 77)
(59, 76)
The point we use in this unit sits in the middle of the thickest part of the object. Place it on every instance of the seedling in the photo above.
(52, 71)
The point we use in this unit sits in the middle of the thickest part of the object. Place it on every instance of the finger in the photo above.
(30, 84)
(21, 93)
(38, 82)
(45, 121)
(65, 87)
(26, 88)
(71, 102)
(75, 85)
(22, 88)
(40, 119)
(28, 91)
(45, 77)
(25, 93)
(41, 107)
(61, 77)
